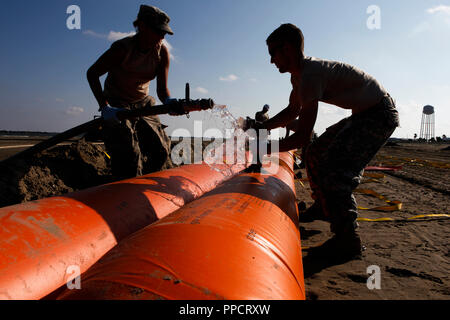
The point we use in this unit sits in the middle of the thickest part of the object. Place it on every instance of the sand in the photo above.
(413, 256)
(56, 171)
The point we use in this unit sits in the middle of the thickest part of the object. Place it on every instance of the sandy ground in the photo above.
(413, 256)
(56, 171)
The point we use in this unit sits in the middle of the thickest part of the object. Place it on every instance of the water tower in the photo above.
(427, 125)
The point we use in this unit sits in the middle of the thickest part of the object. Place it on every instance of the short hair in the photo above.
(288, 32)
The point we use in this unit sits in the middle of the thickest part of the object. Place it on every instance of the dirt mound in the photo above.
(58, 171)
(391, 144)
(54, 172)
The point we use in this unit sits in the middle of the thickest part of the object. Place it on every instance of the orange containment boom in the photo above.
(43, 243)
(240, 241)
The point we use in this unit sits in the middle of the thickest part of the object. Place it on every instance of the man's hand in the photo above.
(302, 137)
(170, 100)
(109, 114)
(175, 107)
(253, 124)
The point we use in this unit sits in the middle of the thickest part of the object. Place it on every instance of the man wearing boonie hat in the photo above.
(136, 146)
(155, 17)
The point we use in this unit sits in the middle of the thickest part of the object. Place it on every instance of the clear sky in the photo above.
(219, 48)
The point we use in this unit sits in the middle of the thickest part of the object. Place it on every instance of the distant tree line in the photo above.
(26, 133)
(434, 139)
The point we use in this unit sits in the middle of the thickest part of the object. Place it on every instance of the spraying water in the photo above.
(231, 129)
(221, 114)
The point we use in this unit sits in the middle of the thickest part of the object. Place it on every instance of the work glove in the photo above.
(252, 124)
(170, 100)
(175, 107)
(109, 114)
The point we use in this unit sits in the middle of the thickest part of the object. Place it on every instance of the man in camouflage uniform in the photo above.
(136, 146)
(336, 159)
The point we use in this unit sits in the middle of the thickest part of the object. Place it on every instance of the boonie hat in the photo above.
(155, 18)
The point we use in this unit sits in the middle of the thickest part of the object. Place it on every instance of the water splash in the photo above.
(231, 128)
(223, 118)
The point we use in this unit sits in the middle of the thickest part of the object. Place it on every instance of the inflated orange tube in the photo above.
(40, 240)
(240, 241)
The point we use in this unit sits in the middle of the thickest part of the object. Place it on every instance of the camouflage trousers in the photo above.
(137, 146)
(336, 160)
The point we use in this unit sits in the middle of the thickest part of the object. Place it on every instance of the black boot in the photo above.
(342, 247)
(314, 212)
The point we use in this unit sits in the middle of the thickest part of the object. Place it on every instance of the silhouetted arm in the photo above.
(109, 59)
(308, 116)
(283, 117)
(162, 75)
